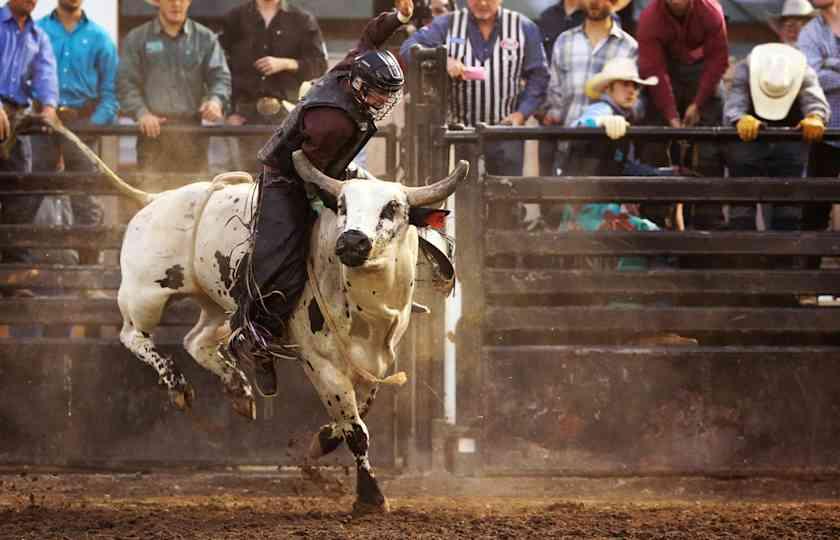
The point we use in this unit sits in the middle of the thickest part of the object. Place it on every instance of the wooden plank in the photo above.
(657, 319)
(569, 353)
(29, 236)
(676, 243)
(45, 310)
(59, 277)
(661, 189)
(504, 281)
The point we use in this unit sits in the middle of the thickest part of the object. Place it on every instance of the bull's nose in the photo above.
(353, 247)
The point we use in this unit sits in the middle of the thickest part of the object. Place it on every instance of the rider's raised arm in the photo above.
(376, 32)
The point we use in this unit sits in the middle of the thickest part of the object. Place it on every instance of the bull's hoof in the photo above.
(182, 398)
(245, 406)
(361, 508)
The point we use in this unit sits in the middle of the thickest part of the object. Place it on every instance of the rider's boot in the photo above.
(245, 352)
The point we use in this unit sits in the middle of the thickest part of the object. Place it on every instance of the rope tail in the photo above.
(122, 186)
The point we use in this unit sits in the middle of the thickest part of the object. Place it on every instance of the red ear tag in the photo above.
(436, 219)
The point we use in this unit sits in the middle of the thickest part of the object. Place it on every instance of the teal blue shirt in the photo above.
(87, 66)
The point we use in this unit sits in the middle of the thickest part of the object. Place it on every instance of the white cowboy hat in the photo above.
(155, 3)
(776, 74)
(795, 8)
(617, 69)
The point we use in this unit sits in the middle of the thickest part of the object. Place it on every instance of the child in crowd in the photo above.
(615, 92)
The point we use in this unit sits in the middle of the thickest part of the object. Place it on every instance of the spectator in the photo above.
(795, 14)
(615, 91)
(27, 74)
(774, 87)
(87, 76)
(425, 11)
(272, 48)
(172, 71)
(578, 55)
(485, 89)
(819, 40)
(684, 44)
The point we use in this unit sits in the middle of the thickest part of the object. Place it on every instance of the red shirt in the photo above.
(699, 36)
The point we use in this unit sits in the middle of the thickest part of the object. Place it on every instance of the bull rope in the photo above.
(397, 379)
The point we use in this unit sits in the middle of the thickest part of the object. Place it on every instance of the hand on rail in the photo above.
(269, 65)
(455, 68)
(551, 119)
(514, 119)
(236, 120)
(5, 126)
(748, 127)
(150, 125)
(211, 110)
(615, 125)
(48, 115)
(405, 8)
(691, 116)
(812, 127)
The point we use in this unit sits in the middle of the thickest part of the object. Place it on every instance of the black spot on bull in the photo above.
(316, 318)
(225, 270)
(174, 278)
(328, 440)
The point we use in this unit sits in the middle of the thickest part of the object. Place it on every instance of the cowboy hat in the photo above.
(776, 74)
(618, 5)
(155, 3)
(794, 8)
(617, 69)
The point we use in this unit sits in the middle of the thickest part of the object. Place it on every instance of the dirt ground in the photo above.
(249, 504)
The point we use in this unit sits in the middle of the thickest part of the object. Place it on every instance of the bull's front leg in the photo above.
(330, 436)
(339, 397)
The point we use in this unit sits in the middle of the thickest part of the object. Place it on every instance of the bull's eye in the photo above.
(390, 210)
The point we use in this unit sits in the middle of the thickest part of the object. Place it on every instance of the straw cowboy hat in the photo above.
(617, 69)
(794, 8)
(776, 74)
(155, 3)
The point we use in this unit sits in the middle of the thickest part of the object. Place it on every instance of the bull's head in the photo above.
(371, 212)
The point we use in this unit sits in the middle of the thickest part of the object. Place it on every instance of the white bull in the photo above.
(347, 324)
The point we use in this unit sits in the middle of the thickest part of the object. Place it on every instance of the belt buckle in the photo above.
(269, 106)
(67, 114)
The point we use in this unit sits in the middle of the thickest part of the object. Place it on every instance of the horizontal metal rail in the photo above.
(59, 276)
(385, 131)
(660, 189)
(53, 311)
(609, 243)
(721, 134)
(516, 355)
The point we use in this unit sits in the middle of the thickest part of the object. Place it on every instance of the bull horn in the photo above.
(440, 190)
(311, 174)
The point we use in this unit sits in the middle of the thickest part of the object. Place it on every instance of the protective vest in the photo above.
(329, 91)
(494, 98)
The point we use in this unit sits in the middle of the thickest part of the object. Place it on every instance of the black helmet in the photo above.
(377, 72)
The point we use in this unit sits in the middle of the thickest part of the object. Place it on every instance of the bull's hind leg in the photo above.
(202, 343)
(141, 312)
(337, 393)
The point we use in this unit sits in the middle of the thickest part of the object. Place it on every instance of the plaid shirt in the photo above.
(574, 61)
(822, 49)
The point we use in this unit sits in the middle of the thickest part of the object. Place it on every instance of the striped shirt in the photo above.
(513, 53)
(574, 61)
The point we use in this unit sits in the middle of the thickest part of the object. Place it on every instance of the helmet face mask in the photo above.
(377, 80)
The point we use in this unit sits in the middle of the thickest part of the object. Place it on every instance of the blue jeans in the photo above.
(766, 159)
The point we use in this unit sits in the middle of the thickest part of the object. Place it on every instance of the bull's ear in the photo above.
(428, 217)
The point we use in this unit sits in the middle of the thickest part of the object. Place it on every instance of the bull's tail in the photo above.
(122, 186)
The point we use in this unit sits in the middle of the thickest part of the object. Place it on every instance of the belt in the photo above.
(268, 106)
(71, 114)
